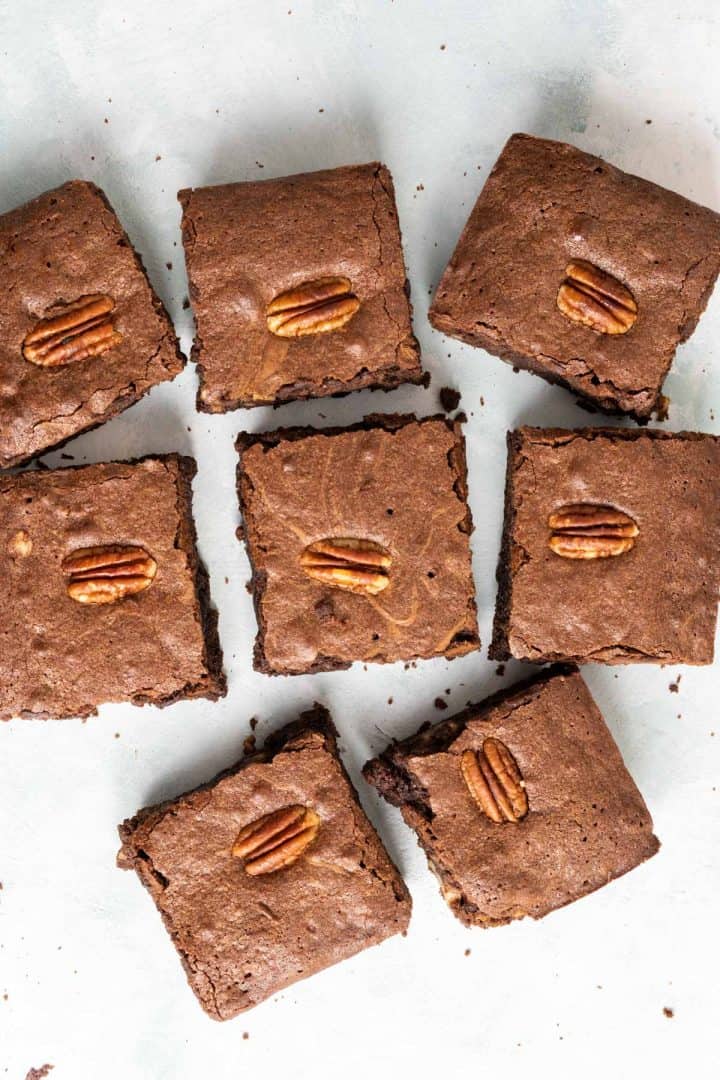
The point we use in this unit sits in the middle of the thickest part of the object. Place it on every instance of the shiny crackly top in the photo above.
(400, 489)
(247, 243)
(62, 658)
(61, 246)
(242, 937)
(546, 203)
(587, 822)
(656, 602)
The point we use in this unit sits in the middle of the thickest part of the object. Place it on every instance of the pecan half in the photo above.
(590, 296)
(276, 839)
(494, 781)
(74, 332)
(315, 307)
(588, 531)
(360, 566)
(20, 545)
(102, 575)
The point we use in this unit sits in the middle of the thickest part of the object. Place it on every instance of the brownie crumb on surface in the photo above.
(449, 398)
(39, 1074)
(668, 1012)
(674, 687)
(440, 703)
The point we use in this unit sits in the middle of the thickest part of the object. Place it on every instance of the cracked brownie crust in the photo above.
(62, 246)
(248, 244)
(63, 658)
(547, 206)
(585, 822)
(656, 602)
(395, 483)
(242, 937)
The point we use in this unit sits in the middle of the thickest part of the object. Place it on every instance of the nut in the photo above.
(19, 546)
(360, 566)
(494, 781)
(587, 531)
(276, 839)
(315, 307)
(596, 299)
(102, 575)
(75, 332)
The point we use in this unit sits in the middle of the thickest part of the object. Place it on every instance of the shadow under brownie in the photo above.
(82, 333)
(270, 872)
(298, 287)
(522, 803)
(359, 542)
(102, 594)
(642, 508)
(581, 273)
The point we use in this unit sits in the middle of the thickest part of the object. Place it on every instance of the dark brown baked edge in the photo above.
(388, 774)
(212, 686)
(509, 560)
(610, 400)
(134, 831)
(124, 401)
(390, 422)
(386, 377)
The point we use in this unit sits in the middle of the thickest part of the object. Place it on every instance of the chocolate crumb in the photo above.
(449, 398)
(68, 457)
(390, 701)
(253, 722)
(440, 703)
(500, 670)
(467, 952)
(246, 1034)
(674, 687)
(169, 265)
(39, 1074)
(667, 1011)
(249, 745)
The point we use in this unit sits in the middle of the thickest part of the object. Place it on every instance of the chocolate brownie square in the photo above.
(270, 872)
(298, 287)
(359, 542)
(522, 803)
(580, 273)
(102, 594)
(611, 548)
(82, 333)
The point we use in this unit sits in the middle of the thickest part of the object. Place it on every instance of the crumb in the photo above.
(648, 121)
(106, 121)
(158, 157)
(674, 687)
(117, 734)
(169, 265)
(39, 1074)
(467, 952)
(449, 398)
(253, 722)
(321, 110)
(447, 690)
(92, 157)
(440, 703)
(249, 586)
(240, 532)
(443, 48)
(668, 1012)
(516, 370)
(461, 417)
(68, 457)
(246, 1034)
(482, 400)
(500, 670)
(390, 701)
(259, 164)
(419, 187)
(249, 744)
(186, 303)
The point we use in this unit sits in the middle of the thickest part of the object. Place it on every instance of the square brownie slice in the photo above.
(522, 803)
(270, 872)
(102, 594)
(82, 333)
(298, 287)
(611, 547)
(581, 273)
(359, 542)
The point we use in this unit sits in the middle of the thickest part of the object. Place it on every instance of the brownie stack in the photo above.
(359, 536)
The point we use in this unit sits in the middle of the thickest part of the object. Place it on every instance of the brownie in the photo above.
(298, 288)
(102, 594)
(581, 273)
(82, 333)
(252, 903)
(522, 803)
(358, 539)
(611, 547)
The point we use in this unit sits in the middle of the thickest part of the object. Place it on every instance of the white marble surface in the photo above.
(146, 98)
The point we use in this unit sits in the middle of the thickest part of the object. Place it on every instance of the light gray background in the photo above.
(146, 98)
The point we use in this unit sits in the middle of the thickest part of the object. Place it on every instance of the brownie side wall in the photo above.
(499, 646)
